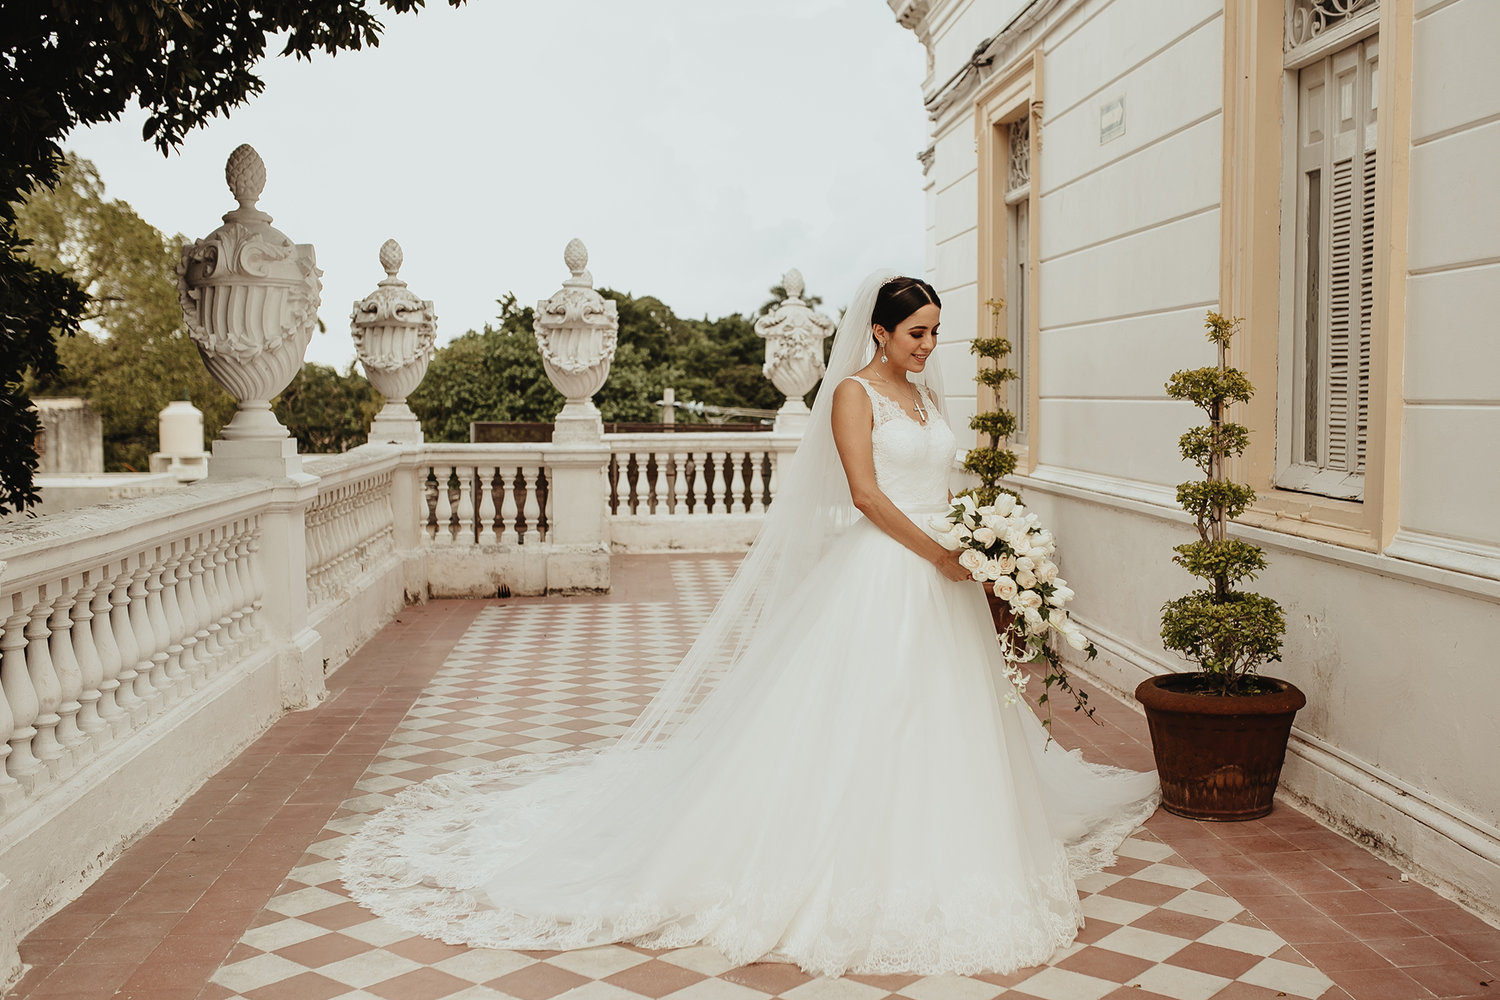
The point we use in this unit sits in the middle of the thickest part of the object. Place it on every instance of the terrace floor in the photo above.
(237, 895)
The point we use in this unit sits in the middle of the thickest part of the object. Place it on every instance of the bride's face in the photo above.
(913, 340)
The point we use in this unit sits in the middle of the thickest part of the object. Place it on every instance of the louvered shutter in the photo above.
(1335, 271)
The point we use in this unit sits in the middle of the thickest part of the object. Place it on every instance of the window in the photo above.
(1324, 421)
(1017, 265)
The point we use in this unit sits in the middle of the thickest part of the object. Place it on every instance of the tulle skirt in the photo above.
(855, 796)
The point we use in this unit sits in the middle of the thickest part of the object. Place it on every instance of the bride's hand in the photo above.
(948, 565)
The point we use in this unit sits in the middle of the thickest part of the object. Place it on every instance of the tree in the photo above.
(68, 64)
(328, 412)
(131, 357)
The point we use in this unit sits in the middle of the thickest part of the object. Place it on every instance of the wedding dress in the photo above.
(844, 786)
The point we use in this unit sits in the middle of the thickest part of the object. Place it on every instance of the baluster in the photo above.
(234, 595)
(487, 505)
(69, 674)
(91, 719)
(164, 657)
(46, 746)
(465, 534)
(132, 683)
(205, 624)
(110, 709)
(522, 495)
(180, 663)
(148, 684)
(768, 491)
(746, 466)
(310, 532)
(692, 469)
(612, 474)
(755, 484)
(632, 476)
(444, 535)
(543, 503)
(773, 478)
(677, 491)
(510, 511)
(711, 487)
(11, 792)
(252, 567)
(193, 654)
(732, 491)
(23, 763)
(533, 510)
(653, 482)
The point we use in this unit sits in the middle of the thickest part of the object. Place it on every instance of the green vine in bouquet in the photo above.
(993, 462)
(1228, 632)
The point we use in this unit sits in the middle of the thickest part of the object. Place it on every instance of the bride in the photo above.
(832, 776)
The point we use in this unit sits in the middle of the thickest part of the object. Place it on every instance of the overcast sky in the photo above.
(698, 147)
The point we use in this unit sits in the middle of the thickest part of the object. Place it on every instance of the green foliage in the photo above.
(1228, 559)
(133, 357)
(69, 64)
(990, 347)
(995, 378)
(997, 423)
(496, 373)
(992, 462)
(1228, 633)
(1228, 636)
(326, 411)
(1214, 499)
(1204, 445)
(1207, 388)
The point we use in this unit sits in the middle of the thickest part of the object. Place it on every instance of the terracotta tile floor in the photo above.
(237, 893)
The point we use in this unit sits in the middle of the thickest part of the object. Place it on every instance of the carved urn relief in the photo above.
(576, 332)
(393, 333)
(794, 333)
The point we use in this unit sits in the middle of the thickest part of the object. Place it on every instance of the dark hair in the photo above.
(898, 298)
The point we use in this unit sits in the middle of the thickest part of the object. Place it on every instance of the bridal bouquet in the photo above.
(1006, 549)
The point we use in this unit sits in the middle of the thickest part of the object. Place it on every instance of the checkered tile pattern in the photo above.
(543, 677)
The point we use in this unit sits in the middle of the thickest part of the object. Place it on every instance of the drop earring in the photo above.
(883, 358)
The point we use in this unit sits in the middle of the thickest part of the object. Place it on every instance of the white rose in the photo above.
(992, 570)
(948, 541)
(1047, 571)
(1018, 542)
(994, 522)
(1026, 578)
(984, 536)
(1058, 618)
(1007, 564)
(1044, 538)
(1005, 588)
(1077, 639)
(1025, 562)
(1030, 599)
(1004, 504)
(1032, 617)
(971, 561)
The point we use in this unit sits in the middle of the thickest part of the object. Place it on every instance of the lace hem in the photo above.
(403, 865)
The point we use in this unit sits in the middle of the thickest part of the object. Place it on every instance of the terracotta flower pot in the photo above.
(1000, 612)
(1219, 757)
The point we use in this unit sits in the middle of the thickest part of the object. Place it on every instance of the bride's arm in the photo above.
(853, 418)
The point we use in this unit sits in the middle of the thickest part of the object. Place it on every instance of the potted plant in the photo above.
(1219, 732)
(993, 462)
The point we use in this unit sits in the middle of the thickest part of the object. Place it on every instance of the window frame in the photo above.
(1012, 95)
(1260, 91)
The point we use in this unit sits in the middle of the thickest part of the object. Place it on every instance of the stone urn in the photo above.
(393, 333)
(794, 333)
(249, 298)
(576, 332)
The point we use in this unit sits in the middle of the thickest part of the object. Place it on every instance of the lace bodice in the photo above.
(911, 458)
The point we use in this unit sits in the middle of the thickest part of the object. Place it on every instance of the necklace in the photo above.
(916, 401)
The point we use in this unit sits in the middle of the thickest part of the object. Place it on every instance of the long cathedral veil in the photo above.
(812, 506)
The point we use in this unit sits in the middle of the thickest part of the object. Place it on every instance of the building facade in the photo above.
(1111, 170)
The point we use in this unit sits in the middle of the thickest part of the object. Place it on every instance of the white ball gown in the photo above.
(855, 795)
